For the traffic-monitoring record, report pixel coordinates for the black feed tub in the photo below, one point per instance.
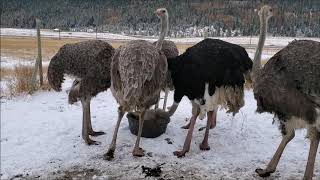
(155, 123)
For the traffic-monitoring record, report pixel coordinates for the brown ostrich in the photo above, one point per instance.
(89, 62)
(170, 50)
(288, 86)
(138, 73)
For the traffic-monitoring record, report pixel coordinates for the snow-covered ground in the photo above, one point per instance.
(41, 137)
(41, 134)
(270, 41)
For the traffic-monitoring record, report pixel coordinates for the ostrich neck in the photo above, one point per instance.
(163, 31)
(262, 38)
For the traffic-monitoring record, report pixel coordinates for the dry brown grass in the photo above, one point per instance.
(22, 75)
(6, 72)
(18, 80)
(25, 48)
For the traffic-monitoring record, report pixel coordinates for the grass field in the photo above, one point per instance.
(25, 48)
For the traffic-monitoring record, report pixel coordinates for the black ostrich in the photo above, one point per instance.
(89, 62)
(211, 73)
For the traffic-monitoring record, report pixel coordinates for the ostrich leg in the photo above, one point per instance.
(89, 126)
(213, 121)
(86, 119)
(137, 151)
(204, 145)
(271, 168)
(314, 143)
(173, 108)
(110, 154)
(156, 106)
(187, 142)
(165, 99)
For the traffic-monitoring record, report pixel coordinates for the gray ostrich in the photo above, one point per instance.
(289, 87)
(89, 62)
(138, 72)
(170, 50)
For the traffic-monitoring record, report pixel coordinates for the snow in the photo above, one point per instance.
(11, 62)
(41, 136)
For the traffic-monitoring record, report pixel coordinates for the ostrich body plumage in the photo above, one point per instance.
(89, 62)
(138, 72)
(211, 63)
(292, 72)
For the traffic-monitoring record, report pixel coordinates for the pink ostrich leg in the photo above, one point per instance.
(211, 119)
(187, 142)
(213, 122)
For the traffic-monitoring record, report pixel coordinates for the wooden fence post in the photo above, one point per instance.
(39, 52)
(38, 64)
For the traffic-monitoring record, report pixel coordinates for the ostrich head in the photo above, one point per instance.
(265, 12)
(162, 14)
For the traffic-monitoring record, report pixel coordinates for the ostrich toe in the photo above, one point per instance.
(96, 133)
(109, 155)
(263, 172)
(91, 142)
(187, 126)
(179, 154)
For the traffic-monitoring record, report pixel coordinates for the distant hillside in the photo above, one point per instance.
(187, 18)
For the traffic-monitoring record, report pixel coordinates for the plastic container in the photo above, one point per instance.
(155, 123)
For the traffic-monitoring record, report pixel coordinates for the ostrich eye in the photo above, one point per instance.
(270, 10)
(163, 11)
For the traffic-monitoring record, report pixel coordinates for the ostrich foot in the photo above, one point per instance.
(186, 126)
(138, 152)
(204, 146)
(263, 172)
(109, 155)
(180, 154)
(202, 128)
(96, 133)
(89, 142)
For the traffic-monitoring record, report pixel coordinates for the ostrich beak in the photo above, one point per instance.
(157, 13)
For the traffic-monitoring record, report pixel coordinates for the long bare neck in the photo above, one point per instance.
(262, 39)
(163, 31)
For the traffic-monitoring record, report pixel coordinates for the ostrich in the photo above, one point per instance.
(289, 87)
(89, 62)
(138, 72)
(170, 50)
(211, 74)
